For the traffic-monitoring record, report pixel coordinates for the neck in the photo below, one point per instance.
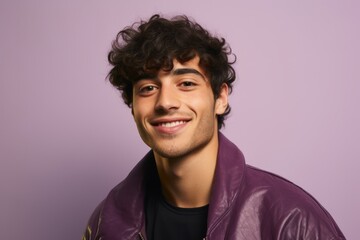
(187, 181)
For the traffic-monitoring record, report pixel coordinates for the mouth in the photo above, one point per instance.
(171, 124)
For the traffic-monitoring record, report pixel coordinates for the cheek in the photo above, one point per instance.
(141, 111)
(200, 100)
(203, 108)
(137, 113)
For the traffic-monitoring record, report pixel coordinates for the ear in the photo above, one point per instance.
(221, 102)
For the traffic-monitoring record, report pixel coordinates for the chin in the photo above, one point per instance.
(173, 153)
(177, 150)
(171, 149)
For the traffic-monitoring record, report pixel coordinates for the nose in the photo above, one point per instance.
(167, 99)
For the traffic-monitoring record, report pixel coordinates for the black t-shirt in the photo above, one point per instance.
(167, 222)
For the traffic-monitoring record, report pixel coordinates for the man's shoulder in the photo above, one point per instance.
(278, 200)
(123, 206)
(277, 189)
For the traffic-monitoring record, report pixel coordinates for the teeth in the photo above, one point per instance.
(171, 124)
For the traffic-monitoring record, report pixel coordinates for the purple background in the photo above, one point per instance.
(66, 138)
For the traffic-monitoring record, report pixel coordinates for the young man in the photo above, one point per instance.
(194, 183)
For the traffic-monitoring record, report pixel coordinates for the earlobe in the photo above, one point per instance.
(222, 100)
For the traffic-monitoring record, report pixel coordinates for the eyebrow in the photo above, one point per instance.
(181, 71)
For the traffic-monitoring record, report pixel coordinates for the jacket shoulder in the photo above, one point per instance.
(289, 209)
(121, 213)
(93, 224)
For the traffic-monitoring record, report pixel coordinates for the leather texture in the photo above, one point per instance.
(246, 203)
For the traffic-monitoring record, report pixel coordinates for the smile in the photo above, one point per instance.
(171, 124)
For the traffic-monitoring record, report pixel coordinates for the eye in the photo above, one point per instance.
(147, 90)
(187, 85)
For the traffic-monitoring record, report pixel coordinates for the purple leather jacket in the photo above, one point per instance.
(246, 203)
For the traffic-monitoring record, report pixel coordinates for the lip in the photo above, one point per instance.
(169, 125)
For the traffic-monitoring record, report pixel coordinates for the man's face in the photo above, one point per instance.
(175, 112)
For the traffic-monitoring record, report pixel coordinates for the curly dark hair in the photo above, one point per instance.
(144, 48)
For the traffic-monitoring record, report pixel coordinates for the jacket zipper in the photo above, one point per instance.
(141, 236)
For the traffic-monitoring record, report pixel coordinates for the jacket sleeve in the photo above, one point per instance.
(299, 224)
(92, 228)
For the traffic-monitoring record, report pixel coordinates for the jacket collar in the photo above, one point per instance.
(123, 214)
(229, 174)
